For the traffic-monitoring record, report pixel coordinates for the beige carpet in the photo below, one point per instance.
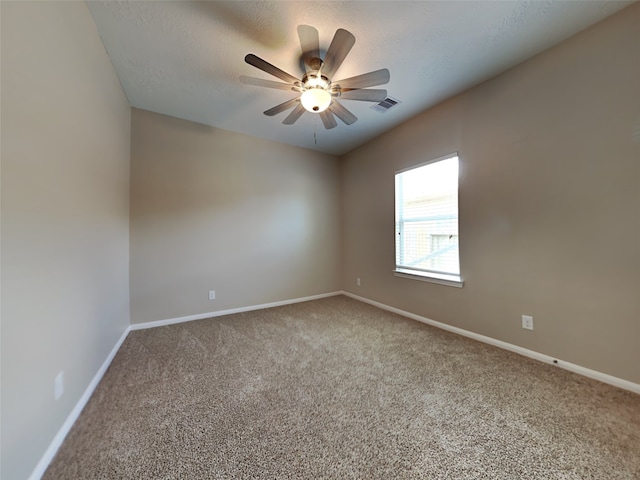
(338, 389)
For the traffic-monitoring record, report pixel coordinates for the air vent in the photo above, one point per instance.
(386, 104)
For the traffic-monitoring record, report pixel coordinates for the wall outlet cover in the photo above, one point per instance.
(58, 386)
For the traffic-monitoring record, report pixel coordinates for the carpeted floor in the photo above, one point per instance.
(338, 389)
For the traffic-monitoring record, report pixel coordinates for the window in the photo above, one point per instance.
(427, 222)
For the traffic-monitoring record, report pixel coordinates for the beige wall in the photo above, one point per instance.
(549, 203)
(65, 207)
(256, 221)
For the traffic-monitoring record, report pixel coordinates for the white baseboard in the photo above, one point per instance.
(586, 372)
(44, 462)
(219, 313)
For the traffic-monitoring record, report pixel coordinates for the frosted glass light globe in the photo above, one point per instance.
(315, 99)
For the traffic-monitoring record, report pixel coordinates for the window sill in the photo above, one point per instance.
(441, 279)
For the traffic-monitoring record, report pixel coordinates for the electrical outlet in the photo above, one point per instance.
(212, 294)
(527, 322)
(358, 282)
(58, 386)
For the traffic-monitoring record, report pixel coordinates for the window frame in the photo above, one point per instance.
(452, 280)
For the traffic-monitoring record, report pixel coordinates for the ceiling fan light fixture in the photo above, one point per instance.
(316, 93)
(315, 99)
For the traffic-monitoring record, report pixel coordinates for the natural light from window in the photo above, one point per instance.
(427, 221)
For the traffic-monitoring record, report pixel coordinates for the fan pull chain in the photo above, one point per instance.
(315, 127)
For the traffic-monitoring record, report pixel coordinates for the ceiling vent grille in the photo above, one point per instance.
(386, 104)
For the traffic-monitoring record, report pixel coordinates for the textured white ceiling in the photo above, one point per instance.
(184, 59)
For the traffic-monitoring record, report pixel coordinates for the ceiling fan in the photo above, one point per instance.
(317, 92)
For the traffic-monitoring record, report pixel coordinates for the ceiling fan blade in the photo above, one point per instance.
(328, 119)
(310, 43)
(265, 66)
(294, 115)
(371, 79)
(366, 95)
(259, 82)
(340, 46)
(342, 113)
(282, 107)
